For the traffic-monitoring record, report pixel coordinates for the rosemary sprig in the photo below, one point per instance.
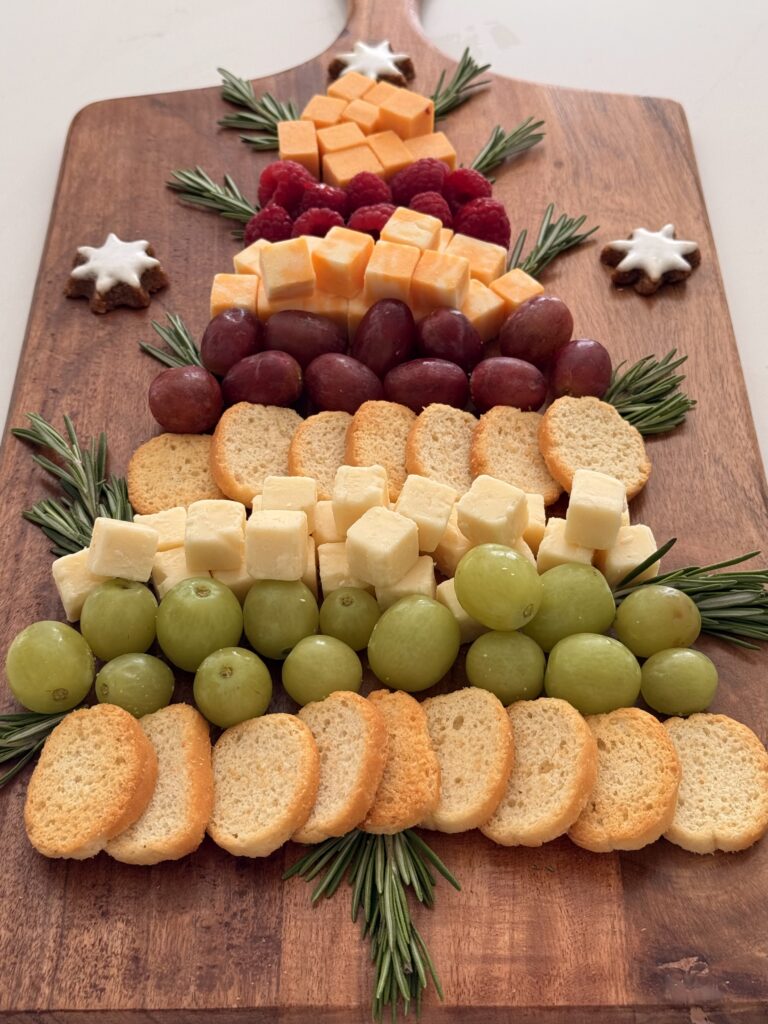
(462, 86)
(82, 475)
(551, 241)
(22, 735)
(258, 114)
(198, 189)
(648, 394)
(503, 145)
(379, 870)
(733, 605)
(184, 351)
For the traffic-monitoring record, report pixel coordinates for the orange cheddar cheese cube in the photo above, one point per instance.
(484, 309)
(339, 136)
(409, 227)
(248, 261)
(350, 86)
(357, 307)
(286, 269)
(389, 271)
(323, 111)
(436, 145)
(440, 280)
(364, 115)
(341, 167)
(340, 261)
(390, 150)
(486, 260)
(234, 291)
(297, 140)
(408, 114)
(380, 91)
(446, 234)
(515, 287)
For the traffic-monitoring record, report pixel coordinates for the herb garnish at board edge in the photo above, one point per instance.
(648, 394)
(461, 87)
(259, 114)
(552, 240)
(198, 189)
(502, 146)
(183, 349)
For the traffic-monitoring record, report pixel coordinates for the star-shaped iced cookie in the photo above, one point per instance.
(374, 60)
(648, 259)
(116, 273)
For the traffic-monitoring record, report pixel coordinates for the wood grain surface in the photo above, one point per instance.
(535, 935)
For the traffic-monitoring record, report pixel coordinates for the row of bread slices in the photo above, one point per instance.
(147, 791)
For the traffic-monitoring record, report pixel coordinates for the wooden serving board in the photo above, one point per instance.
(535, 935)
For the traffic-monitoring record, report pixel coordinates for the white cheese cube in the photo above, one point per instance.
(355, 490)
(537, 520)
(169, 568)
(428, 503)
(522, 549)
(382, 546)
(170, 525)
(325, 531)
(334, 569)
(492, 511)
(554, 549)
(594, 509)
(276, 545)
(74, 582)
(297, 493)
(309, 579)
(469, 628)
(452, 547)
(238, 580)
(256, 503)
(215, 534)
(633, 545)
(122, 550)
(418, 580)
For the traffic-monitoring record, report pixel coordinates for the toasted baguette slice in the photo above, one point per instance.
(505, 445)
(638, 774)
(251, 442)
(552, 777)
(472, 737)
(171, 470)
(317, 449)
(439, 445)
(377, 436)
(723, 799)
(175, 820)
(265, 777)
(585, 433)
(351, 738)
(95, 777)
(410, 786)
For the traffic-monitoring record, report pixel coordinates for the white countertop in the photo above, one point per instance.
(710, 59)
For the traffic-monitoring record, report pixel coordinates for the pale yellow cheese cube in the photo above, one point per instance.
(169, 568)
(633, 545)
(428, 503)
(340, 261)
(170, 525)
(276, 545)
(215, 534)
(452, 547)
(286, 269)
(420, 579)
(492, 511)
(594, 512)
(238, 580)
(389, 271)
(291, 492)
(409, 227)
(234, 291)
(469, 629)
(446, 234)
(554, 549)
(382, 546)
(523, 549)
(309, 579)
(537, 521)
(487, 261)
(334, 569)
(355, 490)
(256, 503)
(248, 261)
(484, 309)
(325, 530)
(122, 550)
(515, 287)
(440, 280)
(74, 582)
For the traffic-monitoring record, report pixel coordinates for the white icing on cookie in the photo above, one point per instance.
(114, 262)
(654, 252)
(372, 60)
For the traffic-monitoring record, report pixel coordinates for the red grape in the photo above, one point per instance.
(185, 400)
(536, 330)
(502, 380)
(448, 334)
(268, 378)
(421, 382)
(385, 337)
(228, 338)
(580, 368)
(303, 335)
(337, 382)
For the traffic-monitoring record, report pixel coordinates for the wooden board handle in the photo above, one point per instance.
(395, 20)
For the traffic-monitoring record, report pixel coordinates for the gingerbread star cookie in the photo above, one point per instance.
(116, 273)
(374, 60)
(648, 259)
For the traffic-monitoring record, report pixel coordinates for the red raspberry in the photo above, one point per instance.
(463, 185)
(485, 219)
(433, 204)
(277, 171)
(367, 189)
(425, 175)
(326, 197)
(317, 221)
(371, 219)
(273, 223)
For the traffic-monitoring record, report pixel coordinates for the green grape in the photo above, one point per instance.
(508, 664)
(196, 618)
(593, 673)
(498, 587)
(655, 618)
(118, 617)
(319, 665)
(277, 615)
(575, 599)
(232, 685)
(50, 667)
(679, 681)
(349, 614)
(137, 683)
(414, 643)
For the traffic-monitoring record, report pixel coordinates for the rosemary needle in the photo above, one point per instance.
(183, 350)
(503, 145)
(648, 394)
(259, 114)
(198, 189)
(22, 735)
(551, 241)
(461, 87)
